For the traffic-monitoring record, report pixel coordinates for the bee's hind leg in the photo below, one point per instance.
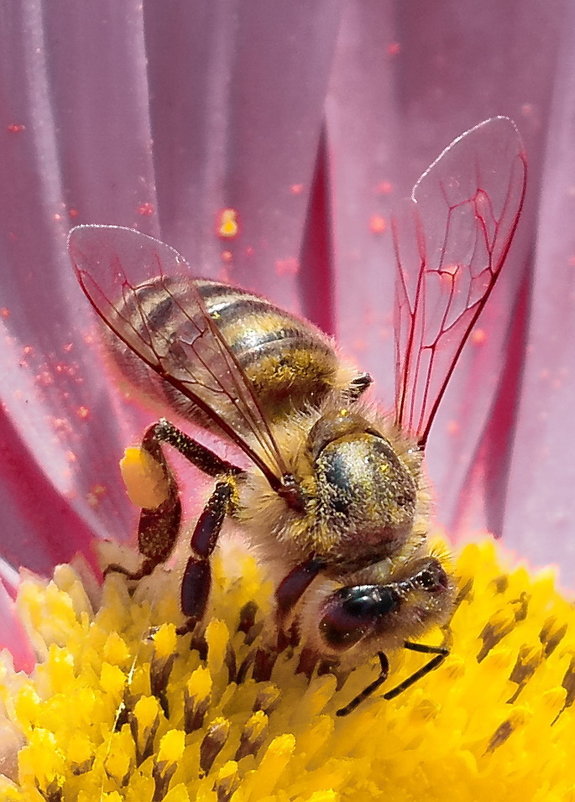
(158, 527)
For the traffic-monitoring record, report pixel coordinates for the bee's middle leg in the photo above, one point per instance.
(197, 579)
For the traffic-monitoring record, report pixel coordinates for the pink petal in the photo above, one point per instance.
(89, 92)
(12, 634)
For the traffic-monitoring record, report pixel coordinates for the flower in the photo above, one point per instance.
(300, 124)
(120, 707)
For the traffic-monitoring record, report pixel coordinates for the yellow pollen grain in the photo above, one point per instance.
(120, 758)
(42, 760)
(217, 637)
(26, 706)
(144, 478)
(116, 651)
(112, 679)
(228, 225)
(80, 749)
(165, 640)
(256, 724)
(180, 794)
(315, 738)
(67, 580)
(229, 769)
(273, 763)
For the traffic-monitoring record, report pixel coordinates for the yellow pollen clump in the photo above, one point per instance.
(144, 478)
(121, 707)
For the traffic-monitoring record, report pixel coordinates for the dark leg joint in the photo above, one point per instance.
(209, 463)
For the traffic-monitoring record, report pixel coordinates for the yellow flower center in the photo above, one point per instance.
(120, 707)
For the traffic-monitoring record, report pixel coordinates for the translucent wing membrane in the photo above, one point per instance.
(134, 282)
(450, 244)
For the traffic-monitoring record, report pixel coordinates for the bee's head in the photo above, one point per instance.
(375, 617)
(364, 489)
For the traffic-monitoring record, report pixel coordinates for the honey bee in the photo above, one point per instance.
(334, 500)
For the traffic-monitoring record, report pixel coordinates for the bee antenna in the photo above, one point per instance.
(373, 686)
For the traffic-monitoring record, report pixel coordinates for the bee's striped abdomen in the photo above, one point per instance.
(290, 363)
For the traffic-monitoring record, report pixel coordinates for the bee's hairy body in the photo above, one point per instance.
(333, 499)
(350, 519)
(364, 510)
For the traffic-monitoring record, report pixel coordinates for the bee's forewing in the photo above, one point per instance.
(451, 241)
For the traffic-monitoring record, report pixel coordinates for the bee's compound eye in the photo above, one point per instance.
(359, 607)
(351, 612)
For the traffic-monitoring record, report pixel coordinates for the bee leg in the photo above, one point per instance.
(289, 592)
(209, 463)
(158, 527)
(358, 386)
(197, 579)
(157, 531)
(373, 686)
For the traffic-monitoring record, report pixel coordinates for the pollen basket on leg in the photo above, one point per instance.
(145, 480)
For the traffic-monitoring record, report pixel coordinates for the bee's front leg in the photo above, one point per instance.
(158, 527)
(287, 595)
(289, 592)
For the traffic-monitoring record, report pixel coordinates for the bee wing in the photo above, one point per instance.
(450, 244)
(116, 268)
